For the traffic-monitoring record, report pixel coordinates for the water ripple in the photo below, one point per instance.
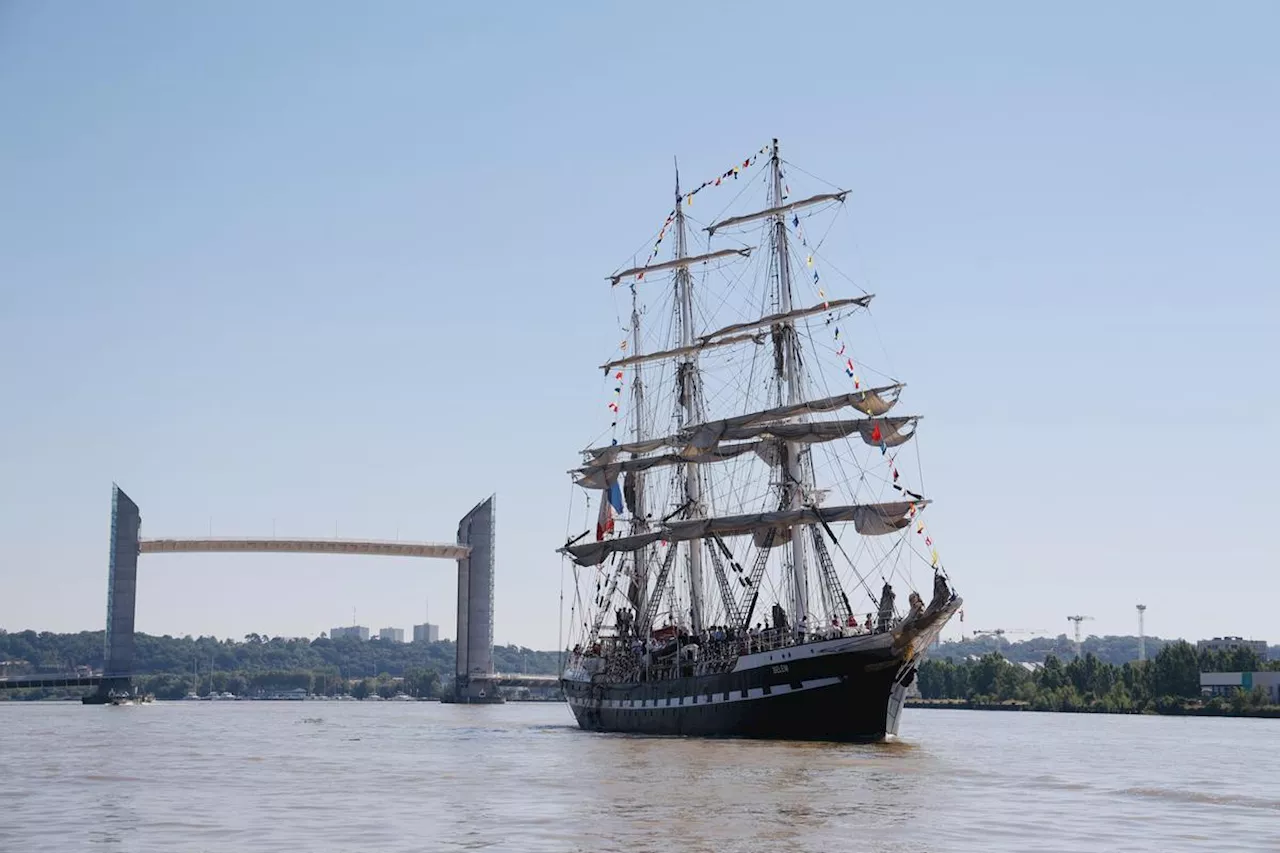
(420, 776)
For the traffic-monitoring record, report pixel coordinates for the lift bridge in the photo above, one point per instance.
(474, 551)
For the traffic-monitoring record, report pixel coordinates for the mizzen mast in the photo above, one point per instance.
(690, 390)
(795, 484)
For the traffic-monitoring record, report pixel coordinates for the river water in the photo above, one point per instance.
(339, 776)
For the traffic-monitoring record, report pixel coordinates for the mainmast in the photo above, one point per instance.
(687, 379)
(795, 485)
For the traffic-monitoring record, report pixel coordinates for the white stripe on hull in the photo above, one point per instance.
(676, 702)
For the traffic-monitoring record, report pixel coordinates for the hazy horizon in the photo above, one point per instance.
(967, 638)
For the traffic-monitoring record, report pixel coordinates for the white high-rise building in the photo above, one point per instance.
(395, 635)
(360, 632)
(426, 632)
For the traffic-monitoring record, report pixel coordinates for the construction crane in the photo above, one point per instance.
(1000, 632)
(1078, 620)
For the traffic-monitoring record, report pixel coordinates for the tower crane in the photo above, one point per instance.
(1078, 620)
(1000, 632)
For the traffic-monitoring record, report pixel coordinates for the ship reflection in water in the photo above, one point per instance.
(413, 776)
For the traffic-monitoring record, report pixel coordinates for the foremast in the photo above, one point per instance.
(789, 370)
(633, 486)
(687, 412)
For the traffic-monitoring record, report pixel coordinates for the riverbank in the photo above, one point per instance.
(1185, 709)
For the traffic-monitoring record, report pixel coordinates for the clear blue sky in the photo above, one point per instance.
(312, 266)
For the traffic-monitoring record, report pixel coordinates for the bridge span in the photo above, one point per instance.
(21, 682)
(357, 547)
(521, 679)
(473, 551)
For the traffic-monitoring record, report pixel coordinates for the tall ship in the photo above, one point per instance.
(751, 482)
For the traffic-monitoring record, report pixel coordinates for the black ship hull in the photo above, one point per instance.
(842, 689)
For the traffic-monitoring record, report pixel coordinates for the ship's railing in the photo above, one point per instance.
(621, 661)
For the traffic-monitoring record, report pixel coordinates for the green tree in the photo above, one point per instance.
(960, 683)
(984, 673)
(1117, 699)
(1010, 679)
(934, 677)
(1136, 678)
(1176, 671)
(1051, 675)
(425, 683)
(1230, 660)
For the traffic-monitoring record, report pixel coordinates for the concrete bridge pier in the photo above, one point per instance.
(473, 676)
(122, 596)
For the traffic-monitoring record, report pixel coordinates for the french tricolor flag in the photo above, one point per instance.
(611, 505)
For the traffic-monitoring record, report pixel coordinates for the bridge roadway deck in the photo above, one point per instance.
(517, 679)
(22, 682)
(366, 547)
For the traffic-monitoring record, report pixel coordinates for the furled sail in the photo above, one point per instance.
(873, 402)
(603, 476)
(734, 334)
(794, 314)
(874, 431)
(678, 351)
(889, 432)
(868, 520)
(682, 262)
(774, 211)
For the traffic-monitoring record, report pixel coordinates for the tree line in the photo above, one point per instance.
(168, 666)
(1164, 684)
(1112, 649)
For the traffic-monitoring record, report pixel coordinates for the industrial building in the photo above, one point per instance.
(1219, 644)
(426, 632)
(395, 635)
(360, 632)
(1227, 683)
